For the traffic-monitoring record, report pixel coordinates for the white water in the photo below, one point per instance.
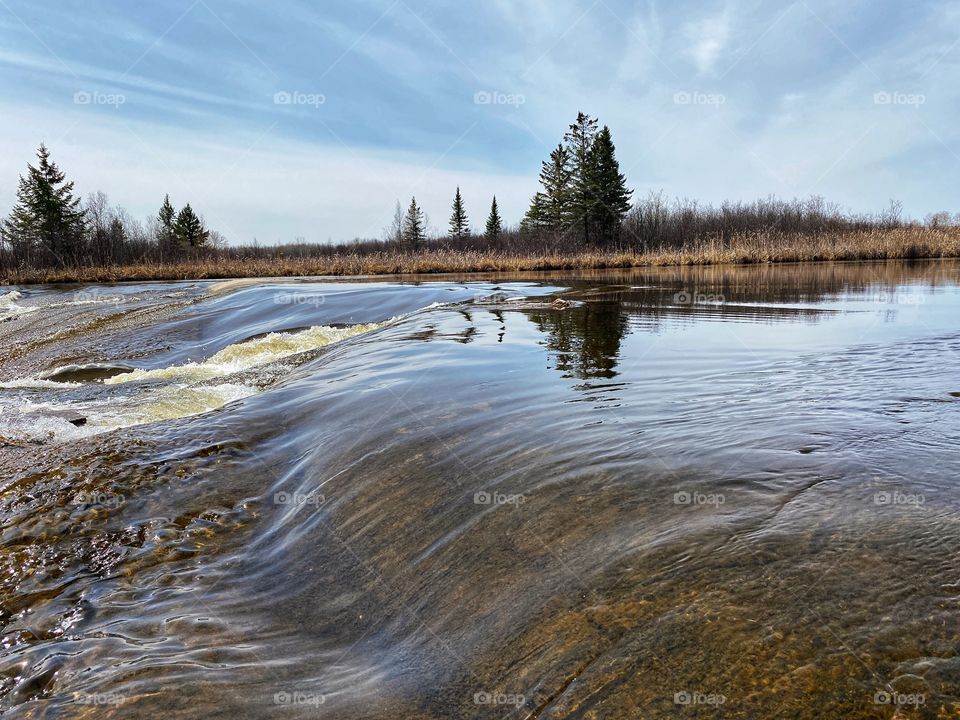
(245, 355)
(188, 392)
(10, 309)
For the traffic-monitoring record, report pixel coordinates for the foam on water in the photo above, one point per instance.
(9, 307)
(248, 354)
(36, 383)
(172, 403)
(189, 392)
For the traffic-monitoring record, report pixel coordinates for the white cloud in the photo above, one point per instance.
(250, 185)
(708, 38)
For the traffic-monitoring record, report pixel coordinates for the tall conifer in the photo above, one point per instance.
(413, 225)
(613, 197)
(47, 216)
(494, 225)
(459, 224)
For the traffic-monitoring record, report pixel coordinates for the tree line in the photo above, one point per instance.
(49, 226)
(584, 197)
(409, 229)
(583, 202)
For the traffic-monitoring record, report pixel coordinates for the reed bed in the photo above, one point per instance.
(750, 248)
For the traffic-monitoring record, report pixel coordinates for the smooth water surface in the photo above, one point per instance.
(704, 492)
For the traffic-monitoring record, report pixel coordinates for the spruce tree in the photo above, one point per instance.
(579, 142)
(494, 225)
(166, 220)
(189, 230)
(47, 217)
(613, 197)
(459, 224)
(413, 225)
(536, 218)
(117, 234)
(556, 179)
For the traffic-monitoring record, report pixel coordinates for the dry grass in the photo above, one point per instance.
(904, 243)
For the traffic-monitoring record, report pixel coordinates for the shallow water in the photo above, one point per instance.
(716, 492)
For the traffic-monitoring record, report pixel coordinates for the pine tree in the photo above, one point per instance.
(555, 177)
(118, 238)
(413, 225)
(613, 197)
(459, 224)
(536, 218)
(579, 142)
(494, 224)
(189, 229)
(47, 217)
(166, 230)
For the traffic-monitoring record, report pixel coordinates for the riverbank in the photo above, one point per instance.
(905, 243)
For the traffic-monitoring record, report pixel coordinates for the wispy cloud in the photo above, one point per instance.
(399, 82)
(708, 39)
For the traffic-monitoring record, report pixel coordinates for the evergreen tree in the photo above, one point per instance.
(189, 229)
(494, 224)
(459, 224)
(536, 218)
(118, 238)
(166, 220)
(413, 225)
(579, 142)
(47, 217)
(555, 177)
(613, 197)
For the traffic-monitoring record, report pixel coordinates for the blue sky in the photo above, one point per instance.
(306, 119)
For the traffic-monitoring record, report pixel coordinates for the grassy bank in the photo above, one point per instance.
(905, 243)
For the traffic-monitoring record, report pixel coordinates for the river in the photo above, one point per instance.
(703, 492)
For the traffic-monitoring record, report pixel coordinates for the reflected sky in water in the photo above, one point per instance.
(598, 495)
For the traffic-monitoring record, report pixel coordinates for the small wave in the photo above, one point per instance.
(35, 384)
(41, 422)
(248, 354)
(9, 308)
(190, 393)
(175, 403)
(72, 374)
(102, 300)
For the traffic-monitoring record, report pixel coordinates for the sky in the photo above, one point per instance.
(309, 120)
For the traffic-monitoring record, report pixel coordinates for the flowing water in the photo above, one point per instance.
(713, 492)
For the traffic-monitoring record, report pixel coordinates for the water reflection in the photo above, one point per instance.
(609, 507)
(585, 339)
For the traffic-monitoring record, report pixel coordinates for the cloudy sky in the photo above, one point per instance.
(311, 119)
